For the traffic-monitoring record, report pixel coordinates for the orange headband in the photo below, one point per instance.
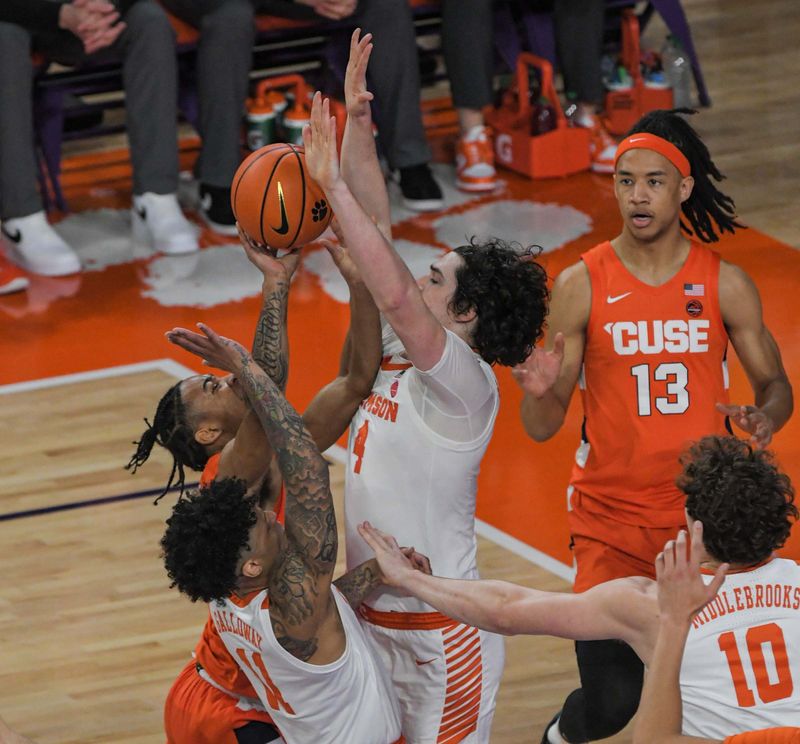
(657, 144)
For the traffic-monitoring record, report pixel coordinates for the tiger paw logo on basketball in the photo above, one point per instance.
(274, 199)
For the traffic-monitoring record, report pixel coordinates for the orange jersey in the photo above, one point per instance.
(210, 651)
(653, 370)
(767, 736)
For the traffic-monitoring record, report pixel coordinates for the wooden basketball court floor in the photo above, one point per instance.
(90, 636)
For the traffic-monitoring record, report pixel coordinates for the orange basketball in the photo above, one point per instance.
(275, 201)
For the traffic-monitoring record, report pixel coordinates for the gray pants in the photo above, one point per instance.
(579, 39)
(224, 59)
(147, 51)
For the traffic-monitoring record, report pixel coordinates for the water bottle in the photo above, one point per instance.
(260, 123)
(678, 72)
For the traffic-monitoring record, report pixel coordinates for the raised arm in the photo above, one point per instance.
(361, 170)
(548, 377)
(330, 412)
(759, 354)
(681, 595)
(624, 609)
(384, 273)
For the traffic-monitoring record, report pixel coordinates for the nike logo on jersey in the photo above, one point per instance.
(423, 663)
(611, 300)
(16, 237)
(284, 228)
(142, 212)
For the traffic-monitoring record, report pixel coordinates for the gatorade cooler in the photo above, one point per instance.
(561, 151)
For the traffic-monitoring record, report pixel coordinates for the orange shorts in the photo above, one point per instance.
(787, 735)
(606, 549)
(195, 712)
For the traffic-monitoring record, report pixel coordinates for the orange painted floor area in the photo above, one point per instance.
(100, 319)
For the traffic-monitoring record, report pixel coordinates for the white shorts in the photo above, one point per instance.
(446, 674)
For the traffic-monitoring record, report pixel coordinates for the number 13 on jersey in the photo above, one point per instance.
(676, 377)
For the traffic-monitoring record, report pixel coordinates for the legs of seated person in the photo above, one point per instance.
(224, 59)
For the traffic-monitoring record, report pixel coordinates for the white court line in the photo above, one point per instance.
(335, 452)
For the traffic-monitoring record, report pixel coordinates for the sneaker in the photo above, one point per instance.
(602, 148)
(32, 243)
(215, 209)
(158, 222)
(420, 190)
(475, 161)
(553, 721)
(11, 278)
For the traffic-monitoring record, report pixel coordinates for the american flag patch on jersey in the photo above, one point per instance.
(694, 290)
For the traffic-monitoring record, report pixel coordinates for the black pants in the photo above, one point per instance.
(611, 685)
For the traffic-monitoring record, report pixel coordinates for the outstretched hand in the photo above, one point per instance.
(319, 140)
(341, 257)
(682, 593)
(395, 564)
(215, 350)
(752, 420)
(539, 372)
(266, 260)
(356, 95)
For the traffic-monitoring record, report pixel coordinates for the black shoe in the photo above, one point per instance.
(215, 209)
(420, 191)
(547, 728)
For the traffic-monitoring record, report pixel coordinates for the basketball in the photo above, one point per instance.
(275, 201)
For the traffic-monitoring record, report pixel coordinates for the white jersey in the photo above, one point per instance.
(741, 667)
(348, 700)
(411, 481)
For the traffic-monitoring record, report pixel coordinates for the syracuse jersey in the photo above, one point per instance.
(653, 371)
(741, 666)
(348, 700)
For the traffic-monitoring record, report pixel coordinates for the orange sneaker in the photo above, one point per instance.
(602, 148)
(475, 161)
(11, 278)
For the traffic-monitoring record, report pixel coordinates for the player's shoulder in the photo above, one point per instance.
(573, 277)
(733, 277)
(571, 299)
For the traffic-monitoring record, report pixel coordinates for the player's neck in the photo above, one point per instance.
(654, 261)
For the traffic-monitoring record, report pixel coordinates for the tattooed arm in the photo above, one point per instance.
(358, 583)
(248, 454)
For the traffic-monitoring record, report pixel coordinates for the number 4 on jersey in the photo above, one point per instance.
(359, 446)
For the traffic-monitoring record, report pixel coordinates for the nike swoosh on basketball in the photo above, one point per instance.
(611, 300)
(284, 228)
(16, 237)
(423, 663)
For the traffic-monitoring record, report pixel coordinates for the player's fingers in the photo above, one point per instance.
(669, 556)
(680, 549)
(660, 565)
(307, 143)
(697, 543)
(728, 410)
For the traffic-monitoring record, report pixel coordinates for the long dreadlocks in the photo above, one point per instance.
(170, 429)
(706, 201)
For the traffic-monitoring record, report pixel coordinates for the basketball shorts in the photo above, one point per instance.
(195, 712)
(446, 674)
(606, 549)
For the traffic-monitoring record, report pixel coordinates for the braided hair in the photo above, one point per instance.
(170, 429)
(706, 202)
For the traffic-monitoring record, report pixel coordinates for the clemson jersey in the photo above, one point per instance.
(654, 368)
(404, 477)
(741, 666)
(210, 651)
(349, 700)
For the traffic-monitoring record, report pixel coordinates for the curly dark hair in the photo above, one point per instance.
(507, 289)
(171, 430)
(205, 536)
(745, 503)
(706, 202)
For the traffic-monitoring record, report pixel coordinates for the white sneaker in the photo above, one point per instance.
(158, 222)
(32, 243)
